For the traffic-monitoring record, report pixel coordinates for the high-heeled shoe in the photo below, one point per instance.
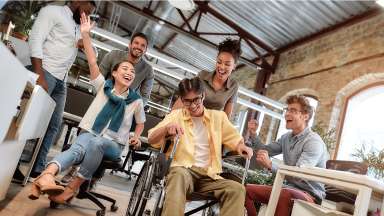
(37, 188)
(58, 200)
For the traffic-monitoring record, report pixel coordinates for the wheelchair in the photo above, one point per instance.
(151, 182)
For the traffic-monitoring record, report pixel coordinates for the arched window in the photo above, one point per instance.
(282, 129)
(363, 123)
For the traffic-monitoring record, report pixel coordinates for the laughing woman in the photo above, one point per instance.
(220, 87)
(106, 126)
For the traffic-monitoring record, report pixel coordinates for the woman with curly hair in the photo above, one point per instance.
(220, 88)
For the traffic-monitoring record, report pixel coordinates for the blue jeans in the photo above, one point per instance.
(88, 151)
(57, 89)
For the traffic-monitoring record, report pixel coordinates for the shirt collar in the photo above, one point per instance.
(187, 116)
(124, 95)
(209, 78)
(302, 133)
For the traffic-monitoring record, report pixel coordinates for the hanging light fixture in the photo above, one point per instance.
(182, 4)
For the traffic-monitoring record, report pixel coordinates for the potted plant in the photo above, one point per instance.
(328, 136)
(373, 157)
(23, 14)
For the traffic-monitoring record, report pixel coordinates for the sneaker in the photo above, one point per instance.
(69, 176)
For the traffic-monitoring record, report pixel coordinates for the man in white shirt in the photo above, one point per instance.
(53, 42)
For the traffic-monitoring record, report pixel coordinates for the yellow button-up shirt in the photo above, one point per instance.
(220, 132)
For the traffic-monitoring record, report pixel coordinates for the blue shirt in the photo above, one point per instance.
(304, 149)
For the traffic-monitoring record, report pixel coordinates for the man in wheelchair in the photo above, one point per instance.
(197, 162)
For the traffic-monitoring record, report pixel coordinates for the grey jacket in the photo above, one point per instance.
(304, 149)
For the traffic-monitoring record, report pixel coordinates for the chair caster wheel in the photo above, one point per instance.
(100, 212)
(53, 204)
(114, 208)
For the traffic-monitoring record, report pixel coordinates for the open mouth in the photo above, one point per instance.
(221, 73)
(138, 51)
(288, 121)
(127, 77)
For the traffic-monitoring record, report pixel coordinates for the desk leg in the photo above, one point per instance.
(275, 194)
(362, 201)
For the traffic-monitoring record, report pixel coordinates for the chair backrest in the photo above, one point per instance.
(349, 166)
(338, 195)
(150, 122)
(77, 102)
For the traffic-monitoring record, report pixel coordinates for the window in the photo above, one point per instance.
(282, 130)
(363, 123)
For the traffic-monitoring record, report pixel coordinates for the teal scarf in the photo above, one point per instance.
(113, 110)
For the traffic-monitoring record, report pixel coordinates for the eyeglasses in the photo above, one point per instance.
(196, 101)
(292, 111)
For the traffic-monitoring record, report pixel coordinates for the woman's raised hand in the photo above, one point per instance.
(85, 24)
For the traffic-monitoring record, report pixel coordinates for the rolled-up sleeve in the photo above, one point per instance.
(40, 30)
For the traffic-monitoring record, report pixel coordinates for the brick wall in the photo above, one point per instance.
(332, 67)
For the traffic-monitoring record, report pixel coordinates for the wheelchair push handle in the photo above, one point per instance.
(177, 139)
(247, 162)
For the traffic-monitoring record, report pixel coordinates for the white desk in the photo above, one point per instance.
(362, 185)
(17, 127)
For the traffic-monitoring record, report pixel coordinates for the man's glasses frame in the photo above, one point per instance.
(188, 102)
(292, 111)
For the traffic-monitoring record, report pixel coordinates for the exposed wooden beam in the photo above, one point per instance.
(173, 36)
(167, 24)
(217, 33)
(198, 20)
(186, 21)
(264, 62)
(242, 32)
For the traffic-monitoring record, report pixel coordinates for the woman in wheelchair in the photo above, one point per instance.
(106, 126)
(197, 162)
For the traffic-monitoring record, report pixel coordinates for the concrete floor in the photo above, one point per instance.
(116, 186)
(18, 204)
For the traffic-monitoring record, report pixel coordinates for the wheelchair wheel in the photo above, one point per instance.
(137, 192)
(148, 185)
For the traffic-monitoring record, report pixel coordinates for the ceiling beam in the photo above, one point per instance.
(185, 19)
(149, 15)
(218, 33)
(242, 32)
(173, 36)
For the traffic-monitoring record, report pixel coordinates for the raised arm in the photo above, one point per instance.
(85, 29)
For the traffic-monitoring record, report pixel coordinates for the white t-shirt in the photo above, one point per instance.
(201, 143)
(134, 109)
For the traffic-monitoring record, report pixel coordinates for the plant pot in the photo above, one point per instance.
(20, 36)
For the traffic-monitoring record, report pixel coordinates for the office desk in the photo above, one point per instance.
(362, 185)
